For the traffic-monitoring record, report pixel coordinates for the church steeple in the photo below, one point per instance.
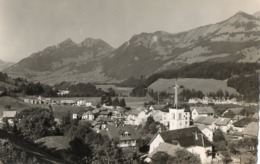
(175, 87)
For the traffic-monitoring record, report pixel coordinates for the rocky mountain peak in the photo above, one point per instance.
(67, 42)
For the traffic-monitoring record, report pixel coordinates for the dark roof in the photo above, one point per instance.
(238, 117)
(235, 111)
(244, 121)
(204, 110)
(186, 137)
(116, 132)
(222, 121)
(105, 113)
(204, 120)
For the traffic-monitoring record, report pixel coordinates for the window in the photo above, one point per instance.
(180, 116)
(173, 116)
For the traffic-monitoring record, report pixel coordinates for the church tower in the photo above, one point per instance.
(178, 117)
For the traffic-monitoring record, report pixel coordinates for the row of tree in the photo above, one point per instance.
(241, 76)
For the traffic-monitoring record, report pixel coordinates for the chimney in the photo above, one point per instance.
(202, 138)
(196, 136)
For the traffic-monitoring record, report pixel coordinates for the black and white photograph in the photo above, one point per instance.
(129, 81)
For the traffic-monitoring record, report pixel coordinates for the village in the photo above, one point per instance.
(189, 127)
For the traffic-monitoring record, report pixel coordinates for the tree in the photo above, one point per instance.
(35, 123)
(122, 102)
(82, 152)
(115, 102)
(181, 156)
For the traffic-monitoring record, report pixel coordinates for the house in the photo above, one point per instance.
(202, 111)
(105, 114)
(190, 138)
(206, 121)
(143, 115)
(251, 130)
(80, 102)
(74, 116)
(63, 92)
(223, 124)
(67, 102)
(232, 111)
(206, 131)
(126, 135)
(9, 116)
(88, 116)
(239, 125)
(132, 117)
(158, 115)
(237, 117)
(170, 149)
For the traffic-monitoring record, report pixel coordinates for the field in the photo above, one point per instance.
(121, 91)
(204, 85)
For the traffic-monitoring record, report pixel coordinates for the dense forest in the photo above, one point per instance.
(241, 76)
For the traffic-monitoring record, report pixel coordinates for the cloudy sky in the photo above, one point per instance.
(28, 26)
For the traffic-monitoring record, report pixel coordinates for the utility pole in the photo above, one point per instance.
(158, 95)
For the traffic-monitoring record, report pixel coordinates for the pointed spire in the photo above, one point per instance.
(176, 94)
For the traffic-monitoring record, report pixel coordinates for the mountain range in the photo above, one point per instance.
(236, 39)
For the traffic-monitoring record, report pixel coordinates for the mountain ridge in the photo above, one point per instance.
(235, 39)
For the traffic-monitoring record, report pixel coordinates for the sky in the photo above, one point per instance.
(28, 26)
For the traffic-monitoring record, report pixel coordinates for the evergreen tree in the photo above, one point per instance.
(122, 102)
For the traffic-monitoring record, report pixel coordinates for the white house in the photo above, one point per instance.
(74, 116)
(206, 131)
(80, 102)
(240, 125)
(9, 116)
(88, 116)
(205, 121)
(202, 111)
(191, 138)
(223, 124)
(132, 118)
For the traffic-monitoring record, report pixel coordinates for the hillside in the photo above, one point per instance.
(4, 65)
(204, 85)
(66, 61)
(236, 39)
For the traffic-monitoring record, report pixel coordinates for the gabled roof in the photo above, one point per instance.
(167, 148)
(135, 112)
(202, 127)
(88, 113)
(9, 114)
(251, 129)
(116, 132)
(157, 107)
(236, 111)
(238, 117)
(105, 113)
(204, 110)
(243, 122)
(204, 120)
(186, 137)
(256, 115)
(222, 121)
